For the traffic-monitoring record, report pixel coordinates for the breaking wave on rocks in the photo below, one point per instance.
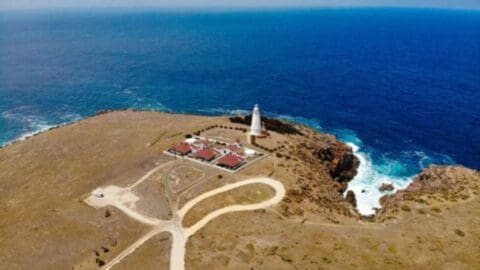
(371, 174)
(31, 123)
(376, 168)
(370, 177)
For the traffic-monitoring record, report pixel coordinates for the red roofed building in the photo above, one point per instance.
(230, 161)
(206, 154)
(182, 149)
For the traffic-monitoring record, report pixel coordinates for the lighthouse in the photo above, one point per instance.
(256, 125)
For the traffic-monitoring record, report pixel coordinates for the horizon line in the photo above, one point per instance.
(233, 8)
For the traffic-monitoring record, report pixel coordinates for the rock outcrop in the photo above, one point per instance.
(351, 198)
(322, 167)
(450, 183)
(386, 187)
(341, 162)
(339, 158)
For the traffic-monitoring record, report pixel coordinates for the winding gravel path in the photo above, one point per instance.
(124, 199)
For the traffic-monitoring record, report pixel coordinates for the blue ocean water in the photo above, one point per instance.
(401, 85)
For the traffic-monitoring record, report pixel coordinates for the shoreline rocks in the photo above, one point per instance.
(386, 187)
(451, 183)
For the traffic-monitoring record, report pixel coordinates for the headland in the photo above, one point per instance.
(47, 183)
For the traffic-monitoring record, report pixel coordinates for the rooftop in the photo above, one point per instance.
(206, 154)
(182, 148)
(231, 161)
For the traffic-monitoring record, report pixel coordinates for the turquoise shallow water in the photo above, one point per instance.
(401, 85)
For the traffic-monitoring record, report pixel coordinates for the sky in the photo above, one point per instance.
(52, 4)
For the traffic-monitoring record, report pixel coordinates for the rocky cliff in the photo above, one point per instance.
(340, 160)
(336, 156)
(322, 166)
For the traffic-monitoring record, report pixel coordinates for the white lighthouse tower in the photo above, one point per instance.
(256, 125)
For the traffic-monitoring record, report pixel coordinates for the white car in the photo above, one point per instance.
(98, 193)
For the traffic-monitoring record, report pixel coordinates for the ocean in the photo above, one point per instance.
(402, 86)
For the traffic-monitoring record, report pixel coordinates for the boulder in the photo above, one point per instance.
(386, 187)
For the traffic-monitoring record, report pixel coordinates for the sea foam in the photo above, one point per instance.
(369, 178)
(371, 174)
(34, 124)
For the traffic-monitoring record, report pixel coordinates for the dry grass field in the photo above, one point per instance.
(44, 223)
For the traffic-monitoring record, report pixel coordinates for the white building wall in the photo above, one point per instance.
(256, 125)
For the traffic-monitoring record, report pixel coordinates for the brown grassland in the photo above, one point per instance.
(44, 223)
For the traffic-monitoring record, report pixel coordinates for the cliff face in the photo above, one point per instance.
(336, 156)
(327, 167)
(327, 152)
(341, 162)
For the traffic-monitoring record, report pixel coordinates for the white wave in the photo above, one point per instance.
(224, 111)
(367, 181)
(370, 176)
(71, 117)
(33, 124)
(25, 116)
(151, 106)
(128, 91)
(141, 102)
(40, 128)
(425, 160)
